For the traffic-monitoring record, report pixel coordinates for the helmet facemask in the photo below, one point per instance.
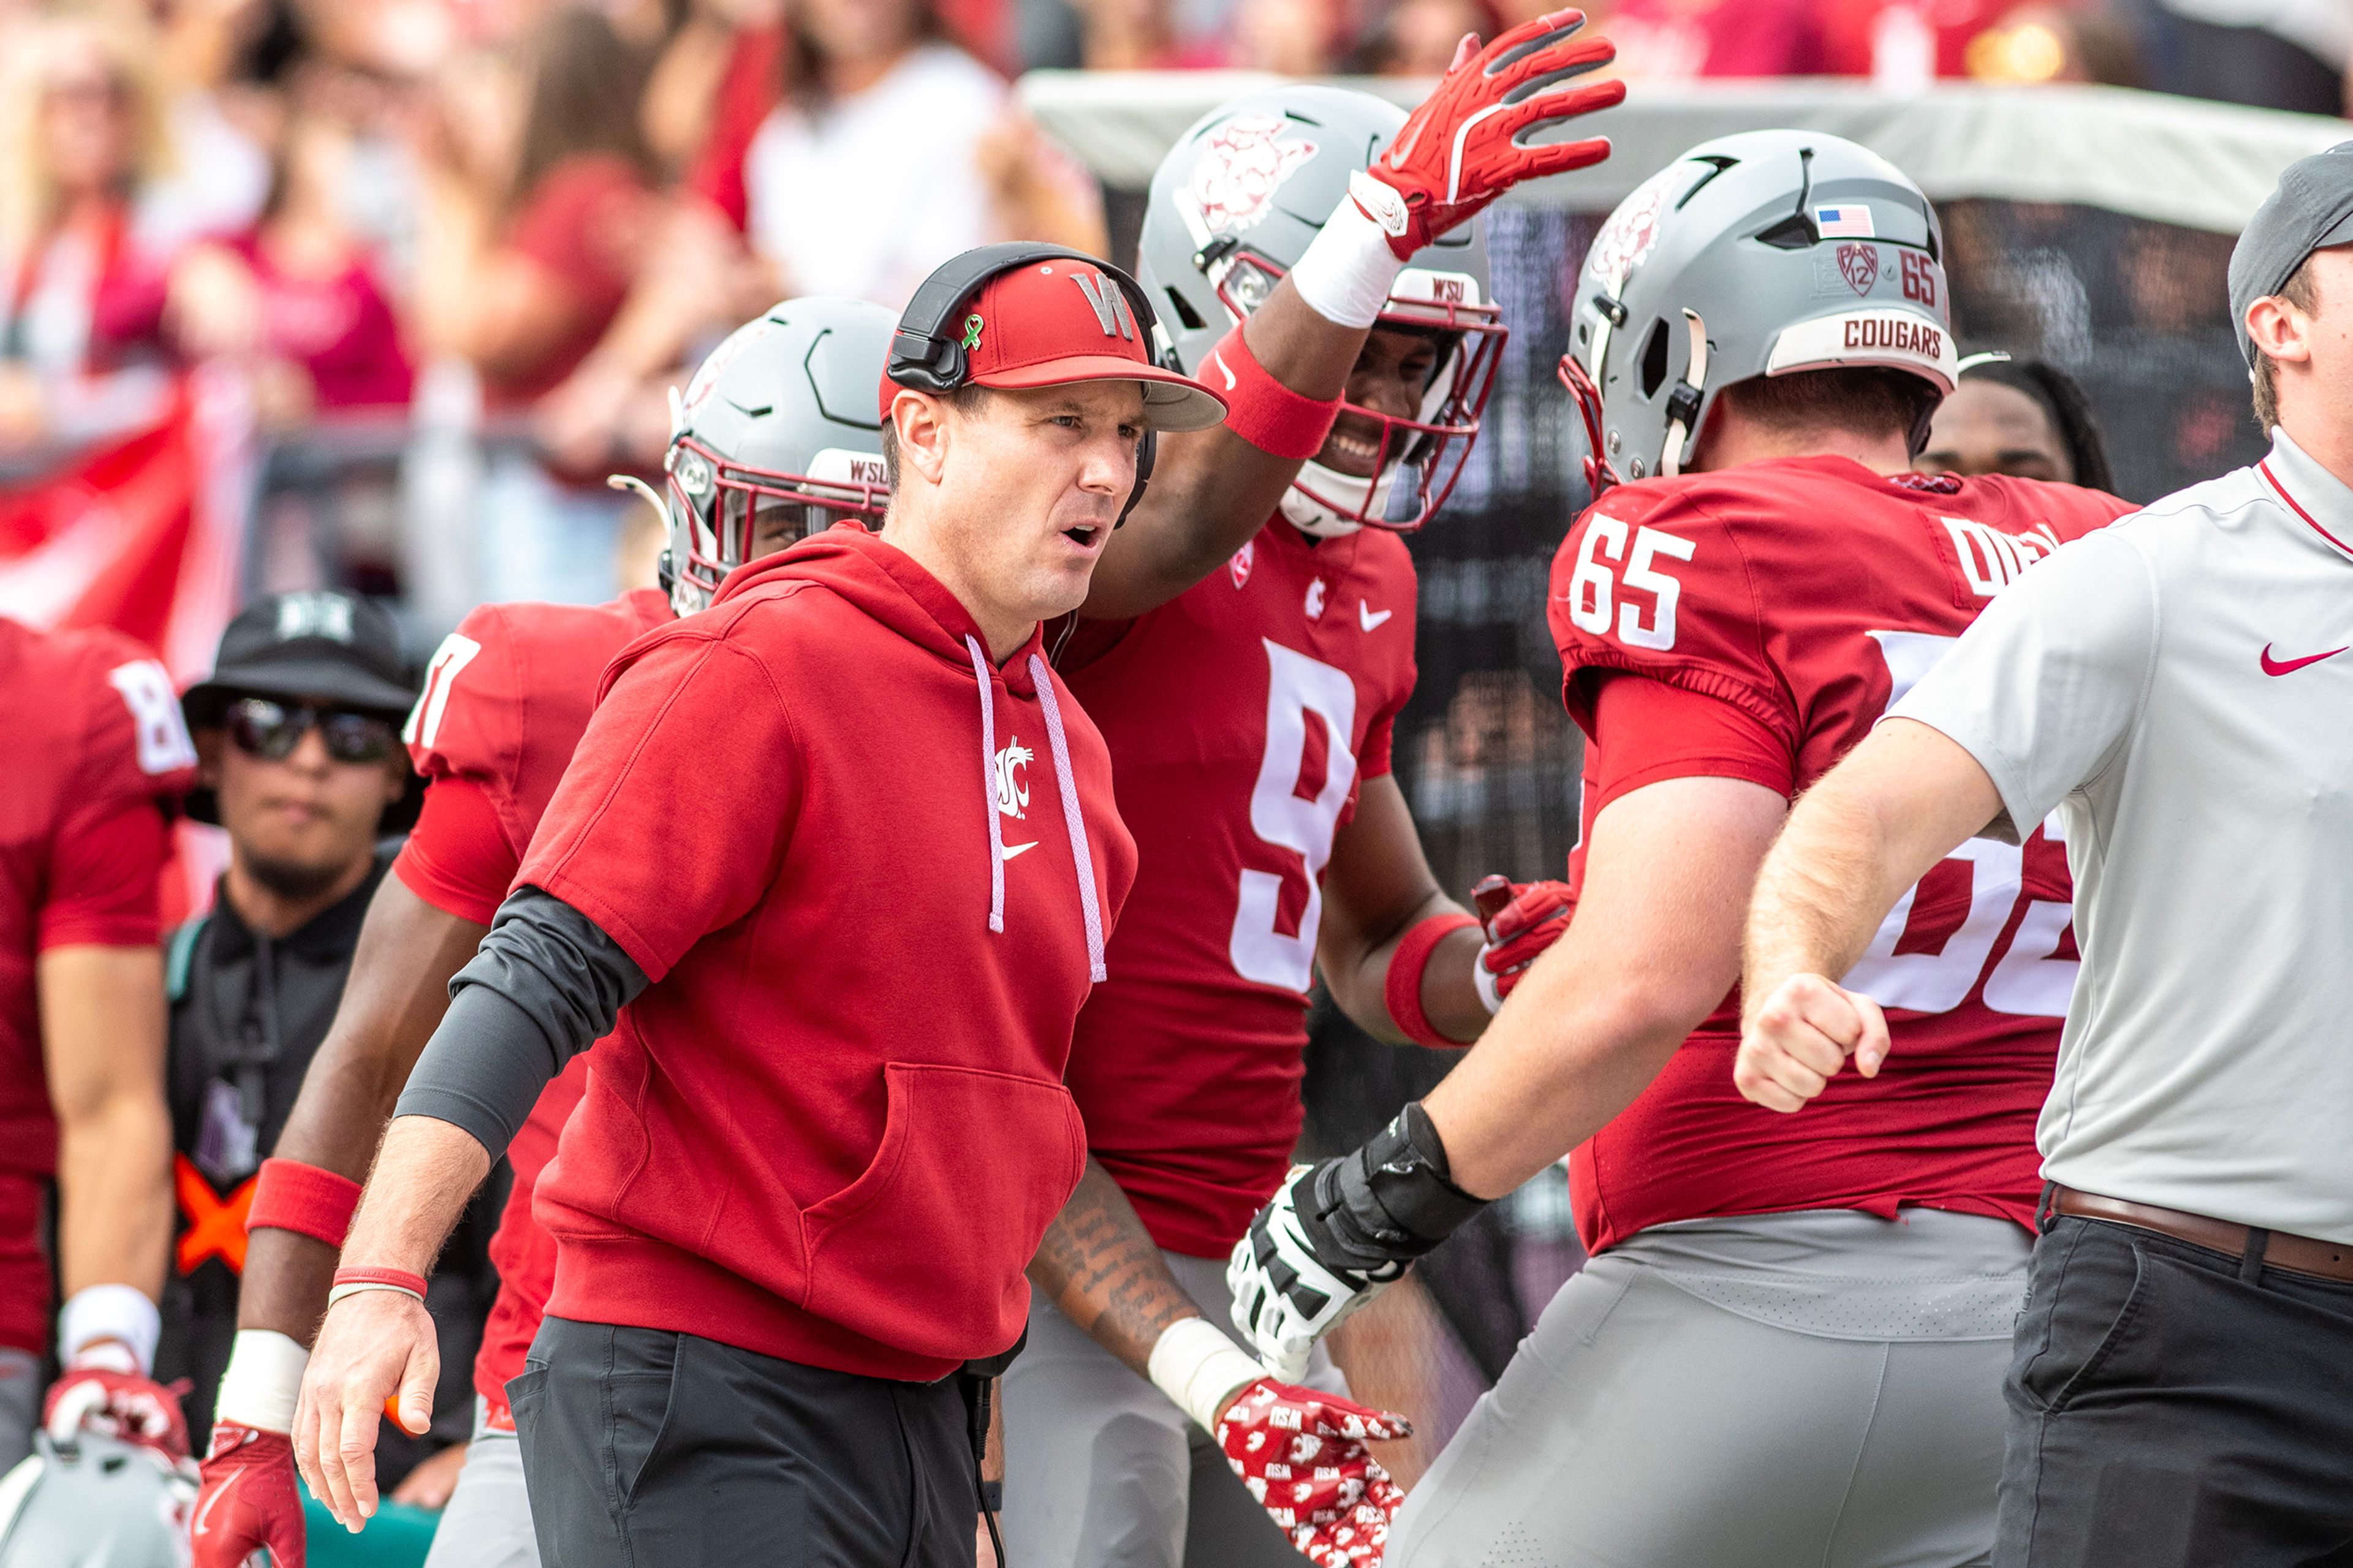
(717, 510)
(1426, 452)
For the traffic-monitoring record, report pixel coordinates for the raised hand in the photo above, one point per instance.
(1473, 138)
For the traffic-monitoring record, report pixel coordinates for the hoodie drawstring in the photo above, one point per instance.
(1080, 856)
(989, 785)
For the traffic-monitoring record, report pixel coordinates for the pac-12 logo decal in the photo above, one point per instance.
(1243, 162)
(1859, 264)
(1243, 559)
(1013, 778)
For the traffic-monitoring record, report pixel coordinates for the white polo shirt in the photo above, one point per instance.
(2178, 687)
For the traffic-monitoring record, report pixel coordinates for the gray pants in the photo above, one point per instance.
(488, 1521)
(1644, 1424)
(1102, 1471)
(20, 1406)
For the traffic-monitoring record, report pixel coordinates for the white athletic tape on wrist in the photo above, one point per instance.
(263, 1378)
(341, 1291)
(1197, 1366)
(120, 1312)
(1348, 271)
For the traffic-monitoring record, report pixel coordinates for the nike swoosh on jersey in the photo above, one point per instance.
(1013, 849)
(2290, 666)
(1370, 618)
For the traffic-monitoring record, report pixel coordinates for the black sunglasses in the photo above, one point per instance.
(271, 731)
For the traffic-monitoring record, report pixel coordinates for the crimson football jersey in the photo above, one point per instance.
(95, 740)
(506, 698)
(1810, 594)
(1242, 717)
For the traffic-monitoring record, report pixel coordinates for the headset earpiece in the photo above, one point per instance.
(927, 354)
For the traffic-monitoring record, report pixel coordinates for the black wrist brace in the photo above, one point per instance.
(1389, 1202)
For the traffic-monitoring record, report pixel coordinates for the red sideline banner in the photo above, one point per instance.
(144, 532)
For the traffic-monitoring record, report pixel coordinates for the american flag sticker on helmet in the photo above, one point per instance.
(1848, 221)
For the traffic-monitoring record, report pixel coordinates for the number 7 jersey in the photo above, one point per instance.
(1808, 594)
(1243, 717)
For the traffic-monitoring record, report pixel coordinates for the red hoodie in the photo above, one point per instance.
(869, 876)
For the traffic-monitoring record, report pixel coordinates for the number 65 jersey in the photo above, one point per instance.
(1243, 717)
(1755, 623)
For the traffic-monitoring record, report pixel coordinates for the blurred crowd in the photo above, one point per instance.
(560, 204)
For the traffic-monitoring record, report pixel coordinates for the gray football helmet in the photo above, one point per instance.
(95, 1502)
(1758, 254)
(1233, 207)
(786, 412)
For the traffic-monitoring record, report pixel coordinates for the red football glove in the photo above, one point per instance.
(1303, 1456)
(248, 1499)
(124, 1405)
(1521, 920)
(1467, 141)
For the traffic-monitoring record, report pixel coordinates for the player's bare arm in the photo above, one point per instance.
(1211, 490)
(1101, 1269)
(1377, 888)
(424, 1175)
(1472, 140)
(102, 1014)
(398, 990)
(1898, 804)
(1654, 948)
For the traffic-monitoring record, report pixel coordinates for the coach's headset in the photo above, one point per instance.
(927, 351)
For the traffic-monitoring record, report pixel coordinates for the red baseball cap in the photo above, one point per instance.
(1048, 323)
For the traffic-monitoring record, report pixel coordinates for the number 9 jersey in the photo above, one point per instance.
(1754, 624)
(1242, 716)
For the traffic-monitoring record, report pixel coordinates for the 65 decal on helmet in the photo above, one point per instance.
(779, 432)
(1761, 254)
(1232, 209)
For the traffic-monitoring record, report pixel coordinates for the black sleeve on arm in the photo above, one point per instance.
(546, 985)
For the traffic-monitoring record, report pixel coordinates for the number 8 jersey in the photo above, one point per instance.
(1242, 717)
(1754, 624)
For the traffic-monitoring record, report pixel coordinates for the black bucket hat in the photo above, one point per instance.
(325, 649)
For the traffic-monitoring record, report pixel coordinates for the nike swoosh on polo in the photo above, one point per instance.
(1368, 618)
(2290, 666)
(1013, 849)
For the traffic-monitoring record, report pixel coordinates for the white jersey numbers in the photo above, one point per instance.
(456, 652)
(1286, 819)
(163, 743)
(2026, 979)
(1592, 593)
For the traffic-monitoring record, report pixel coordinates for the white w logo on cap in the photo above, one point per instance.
(1110, 302)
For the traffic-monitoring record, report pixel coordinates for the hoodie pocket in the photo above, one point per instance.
(924, 1251)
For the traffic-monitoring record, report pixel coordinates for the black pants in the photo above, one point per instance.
(646, 1450)
(2170, 1405)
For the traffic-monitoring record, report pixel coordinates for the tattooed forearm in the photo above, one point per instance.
(1099, 1266)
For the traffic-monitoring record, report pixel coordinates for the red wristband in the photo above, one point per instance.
(396, 1278)
(1404, 984)
(1262, 410)
(304, 1199)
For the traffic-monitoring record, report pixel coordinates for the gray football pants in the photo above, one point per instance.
(20, 1405)
(488, 1521)
(1102, 1471)
(1640, 1426)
